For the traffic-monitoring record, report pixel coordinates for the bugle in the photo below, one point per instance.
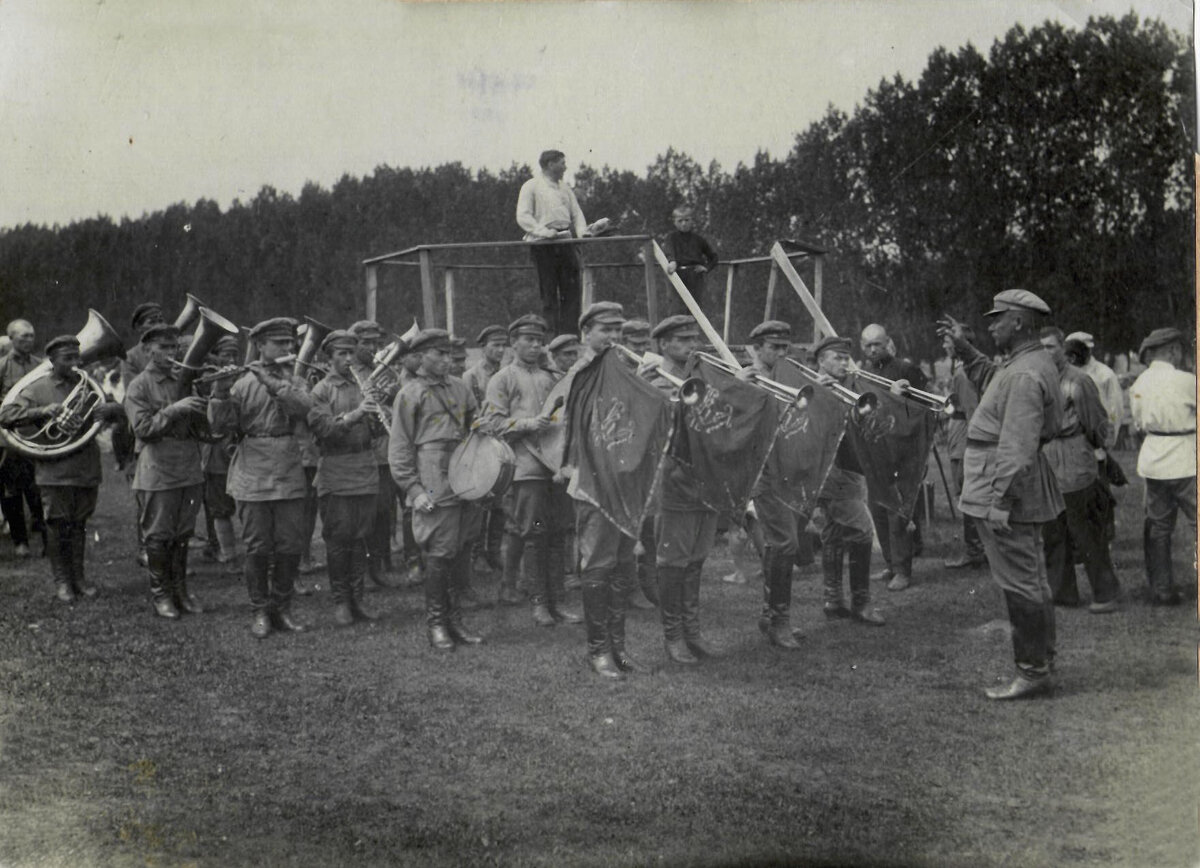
(798, 395)
(931, 400)
(691, 390)
(862, 403)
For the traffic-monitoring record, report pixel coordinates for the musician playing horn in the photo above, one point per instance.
(169, 480)
(843, 499)
(431, 416)
(685, 528)
(69, 484)
(898, 537)
(266, 408)
(515, 399)
(347, 475)
(218, 505)
(145, 317)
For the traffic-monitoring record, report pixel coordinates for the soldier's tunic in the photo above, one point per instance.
(18, 487)
(430, 418)
(379, 536)
(477, 378)
(266, 476)
(169, 473)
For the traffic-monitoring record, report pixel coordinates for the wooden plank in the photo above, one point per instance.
(651, 283)
(818, 271)
(372, 291)
(769, 307)
(793, 277)
(589, 287)
(728, 303)
(448, 290)
(479, 245)
(428, 298)
(690, 302)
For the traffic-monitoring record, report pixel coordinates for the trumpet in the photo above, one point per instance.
(691, 390)
(862, 404)
(371, 390)
(788, 394)
(943, 404)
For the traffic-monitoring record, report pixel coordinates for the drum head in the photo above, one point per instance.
(481, 465)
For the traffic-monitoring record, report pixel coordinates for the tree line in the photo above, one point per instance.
(1060, 161)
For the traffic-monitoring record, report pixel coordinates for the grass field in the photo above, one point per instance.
(128, 740)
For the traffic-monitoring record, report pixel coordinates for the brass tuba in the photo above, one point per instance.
(314, 336)
(74, 425)
(211, 329)
(190, 315)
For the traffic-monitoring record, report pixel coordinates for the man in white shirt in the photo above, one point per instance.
(1162, 401)
(547, 209)
(1106, 381)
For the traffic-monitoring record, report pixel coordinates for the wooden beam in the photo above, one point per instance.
(372, 291)
(589, 287)
(769, 307)
(818, 270)
(427, 292)
(793, 277)
(448, 289)
(651, 283)
(705, 326)
(728, 303)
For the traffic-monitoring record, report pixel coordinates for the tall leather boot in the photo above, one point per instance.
(256, 568)
(437, 604)
(78, 532)
(618, 602)
(556, 592)
(226, 543)
(670, 604)
(860, 585)
(158, 564)
(58, 549)
(780, 632)
(460, 581)
(1159, 572)
(511, 549)
(647, 563)
(693, 637)
(596, 593)
(356, 581)
(337, 563)
(283, 584)
(769, 557)
(184, 600)
(1030, 641)
(536, 580)
(831, 573)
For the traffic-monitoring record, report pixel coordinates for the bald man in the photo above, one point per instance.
(17, 486)
(898, 537)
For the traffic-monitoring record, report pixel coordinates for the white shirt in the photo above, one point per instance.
(1110, 396)
(545, 207)
(1162, 401)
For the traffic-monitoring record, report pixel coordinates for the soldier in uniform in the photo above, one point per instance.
(218, 505)
(18, 487)
(347, 475)
(635, 336)
(431, 416)
(684, 528)
(966, 399)
(843, 498)
(169, 479)
(379, 540)
(605, 554)
(513, 411)
(564, 352)
(898, 537)
(1008, 485)
(266, 408)
(493, 341)
(458, 357)
(145, 317)
(69, 483)
(781, 526)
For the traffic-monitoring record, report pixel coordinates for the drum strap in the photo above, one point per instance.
(460, 422)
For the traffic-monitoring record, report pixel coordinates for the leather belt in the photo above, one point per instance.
(1172, 433)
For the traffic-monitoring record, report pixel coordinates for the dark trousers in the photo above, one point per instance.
(169, 516)
(311, 508)
(695, 283)
(272, 527)
(895, 538)
(971, 541)
(1079, 531)
(379, 538)
(560, 285)
(18, 490)
(1165, 500)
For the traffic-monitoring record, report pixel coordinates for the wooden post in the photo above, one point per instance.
(728, 303)
(448, 287)
(651, 283)
(818, 268)
(820, 321)
(427, 291)
(372, 290)
(589, 287)
(769, 309)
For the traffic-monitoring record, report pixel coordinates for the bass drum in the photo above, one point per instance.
(481, 466)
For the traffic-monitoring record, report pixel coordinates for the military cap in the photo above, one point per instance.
(1160, 338)
(529, 324)
(61, 342)
(430, 339)
(1017, 299)
(1083, 338)
(833, 342)
(161, 332)
(144, 310)
(678, 326)
(602, 312)
(772, 329)
(562, 342)
(276, 327)
(228, 341)
(368, 329)
(458, 347)
(338, 339)
(490, 332)
(635, 328)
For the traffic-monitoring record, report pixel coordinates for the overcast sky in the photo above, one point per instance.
(126, 106)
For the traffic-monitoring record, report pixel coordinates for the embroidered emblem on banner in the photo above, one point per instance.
(795, 421)
(614, 427)
(711, 414)
(876, 426)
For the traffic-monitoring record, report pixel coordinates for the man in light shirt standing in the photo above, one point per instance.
(1162, 401)
(547, 209)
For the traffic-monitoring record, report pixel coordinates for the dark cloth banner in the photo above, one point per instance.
(892, 444)
(618, 430)
(807, 443)
(723, 440)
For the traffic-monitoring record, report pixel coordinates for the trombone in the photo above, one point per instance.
(691, 390)
(788, 394)
(943, 404)
(862, 404)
